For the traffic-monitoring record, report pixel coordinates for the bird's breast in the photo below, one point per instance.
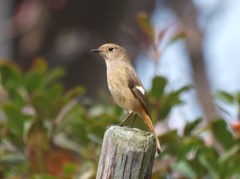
(118, 87)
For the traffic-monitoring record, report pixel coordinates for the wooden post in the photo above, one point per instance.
(127, 153)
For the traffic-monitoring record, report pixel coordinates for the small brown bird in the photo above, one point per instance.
(124, 84)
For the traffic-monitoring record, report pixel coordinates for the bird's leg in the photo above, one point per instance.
(129, 114)
(134, 119)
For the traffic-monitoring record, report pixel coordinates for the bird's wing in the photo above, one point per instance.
(137, 89)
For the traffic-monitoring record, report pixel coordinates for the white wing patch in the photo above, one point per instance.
(140, 88)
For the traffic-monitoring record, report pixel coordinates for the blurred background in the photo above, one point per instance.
(63, 32)
(191, 48)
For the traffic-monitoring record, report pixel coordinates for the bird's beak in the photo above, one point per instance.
(96, 50)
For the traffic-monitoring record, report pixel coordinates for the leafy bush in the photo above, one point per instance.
(44, 130)
(208, 150)
(47, 132)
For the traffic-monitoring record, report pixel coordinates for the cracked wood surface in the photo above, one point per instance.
(126, 153)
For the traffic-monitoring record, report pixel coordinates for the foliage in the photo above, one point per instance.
(46, 126)
(162, 101)
(203, 151)
(229, 99)
(194, 156)
(48, 133)
(226, 100)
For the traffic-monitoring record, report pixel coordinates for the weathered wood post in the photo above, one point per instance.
(127, 153)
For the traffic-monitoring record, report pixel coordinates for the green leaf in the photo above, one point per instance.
(15, 119)
(158, 86)
(76, 91)
(43, 106)
(35, 78)
(165, 102)
(189, 144)
(56, 92)
(69, 169)
(185, 168)
(164, 112)
(17, 94)
(170, 140)
(209, 159)
(34, 81)
(238, 98)
(10, 75)
(220, 132)
(191, 126)
(177, 36)
(229, 154)
(225, 96)
(54, 75)
(74, 124)
(183, 89)
(144, 23)
(197, 167)
(230, 167)
(173, 98)
(11, 82)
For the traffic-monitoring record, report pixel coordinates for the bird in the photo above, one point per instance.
(125, 85)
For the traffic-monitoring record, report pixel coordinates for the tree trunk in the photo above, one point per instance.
(187, 14)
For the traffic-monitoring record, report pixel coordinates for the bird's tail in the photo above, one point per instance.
(148, 121)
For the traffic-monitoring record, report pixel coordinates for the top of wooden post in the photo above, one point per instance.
(132, 138)
(126, 153)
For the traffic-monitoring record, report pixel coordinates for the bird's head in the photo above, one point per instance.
(111, 51)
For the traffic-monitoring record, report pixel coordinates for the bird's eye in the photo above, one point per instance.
(110, 49)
